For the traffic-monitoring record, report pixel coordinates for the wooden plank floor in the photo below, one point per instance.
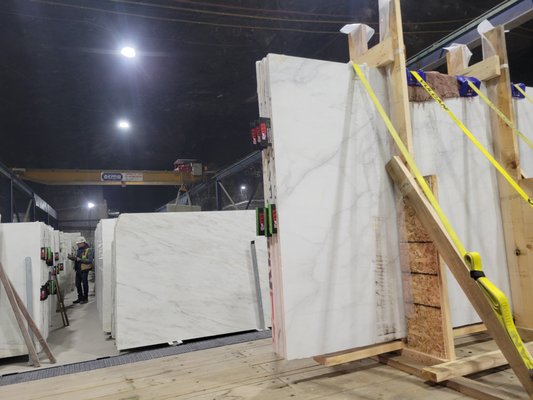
(243, 371)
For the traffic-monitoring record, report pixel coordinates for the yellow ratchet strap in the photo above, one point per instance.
(497, 299)
(523, 92)
(476, 142)
(500, 114)
(499, 303)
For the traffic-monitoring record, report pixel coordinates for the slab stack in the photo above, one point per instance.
(103, 243)
(335, 270)
(18, 241)
(182, 276)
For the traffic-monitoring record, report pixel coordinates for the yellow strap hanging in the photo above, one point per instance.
(500, 114)
(497, 299)
(476, 142)
(523, 93)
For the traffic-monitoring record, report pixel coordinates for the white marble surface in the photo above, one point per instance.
(185, 275)
(524, 120)
(103, 241)
(467, 187)
(18, 241)
(339, 270)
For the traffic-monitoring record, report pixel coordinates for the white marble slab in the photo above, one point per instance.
(18, 241)
(524, 120)
(463, 173)
(339, 257)
(103, 240)
(185, 275)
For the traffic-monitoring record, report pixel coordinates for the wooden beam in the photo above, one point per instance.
(33, 326)
(427, 215)
(342, 357)
(518, 241)
(380, 55)
(469, 330)
(483, 70)
(466, 366)
(455, 61)
(481, 391)
(400, 109)
(357, 43)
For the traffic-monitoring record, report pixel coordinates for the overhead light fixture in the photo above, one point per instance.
(123, 124)
(128, 52)
(243, 187)
(90, 205)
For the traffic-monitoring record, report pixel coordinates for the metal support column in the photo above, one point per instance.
(218, 192)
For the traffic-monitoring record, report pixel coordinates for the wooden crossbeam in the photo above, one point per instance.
(483, 70)
(428, 217)
(481, 391)
(466, 366)
(342, 357)
(380, 55)
(469, 329)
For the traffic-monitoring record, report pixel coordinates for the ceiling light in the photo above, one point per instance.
(123, 124)
(90, 205)
(128, 52)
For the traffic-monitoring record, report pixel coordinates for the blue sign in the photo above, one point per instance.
(111, 176)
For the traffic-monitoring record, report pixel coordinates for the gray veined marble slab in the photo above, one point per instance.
(103, 241)
(185, 275)
(336, 272)
(467, 188)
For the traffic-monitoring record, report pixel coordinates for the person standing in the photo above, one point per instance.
(83, 263)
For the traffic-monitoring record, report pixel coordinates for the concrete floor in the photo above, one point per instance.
(83, 340)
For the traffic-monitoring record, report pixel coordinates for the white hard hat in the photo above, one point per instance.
(81, 239)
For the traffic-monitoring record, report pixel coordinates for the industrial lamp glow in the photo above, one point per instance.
(123, 124)
(128, 52)
(90, 205)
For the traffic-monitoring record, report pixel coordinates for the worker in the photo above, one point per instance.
(83, 263)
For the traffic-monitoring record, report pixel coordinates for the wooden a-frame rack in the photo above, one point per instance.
(430, 353)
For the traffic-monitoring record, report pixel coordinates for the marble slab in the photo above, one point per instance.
(181, 276)
(338, 273)
(467, 188)
(18, 241)
(524, 120)
(103, 241)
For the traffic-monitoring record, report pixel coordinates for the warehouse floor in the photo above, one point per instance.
(81, 341)
(242, 371)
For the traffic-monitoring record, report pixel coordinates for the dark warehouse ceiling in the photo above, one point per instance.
(191, 91)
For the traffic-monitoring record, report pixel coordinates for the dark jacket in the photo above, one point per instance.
(87, 257)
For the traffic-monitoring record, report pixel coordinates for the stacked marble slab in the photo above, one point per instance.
(182, 276)
(18, 241)
(103, 242)
(335, 270)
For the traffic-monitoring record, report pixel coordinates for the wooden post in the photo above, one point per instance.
(519, 245)
(429, 218)
(422, 344)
